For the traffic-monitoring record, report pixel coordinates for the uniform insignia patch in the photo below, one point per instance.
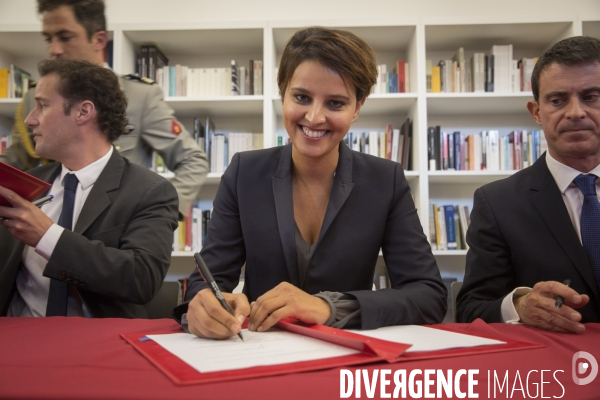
(175, 128)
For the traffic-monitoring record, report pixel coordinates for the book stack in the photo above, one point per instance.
(448, 226)
(394, 81)
(487, 150)
(393, 144)
(493, 72)
(14, 82)
(191, 232)
(182, 81)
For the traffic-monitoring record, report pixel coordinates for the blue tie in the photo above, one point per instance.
(590, 222)
(57, 298)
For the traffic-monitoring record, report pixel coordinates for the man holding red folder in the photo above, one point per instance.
(102, 247)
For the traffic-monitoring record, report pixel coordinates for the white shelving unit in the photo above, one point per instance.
(415, 40)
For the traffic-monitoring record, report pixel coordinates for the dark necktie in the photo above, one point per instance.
(57, 298)
(590, 222)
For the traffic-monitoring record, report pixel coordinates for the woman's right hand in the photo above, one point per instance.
(208, 319)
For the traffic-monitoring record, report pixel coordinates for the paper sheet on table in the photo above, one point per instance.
(257, 349)
(427, 339)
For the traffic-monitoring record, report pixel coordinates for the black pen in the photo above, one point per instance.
(208, 278)
(559, 299)
(44, 200)
(38, 203)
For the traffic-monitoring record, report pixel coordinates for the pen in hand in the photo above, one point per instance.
(559, 299)
(38, 203)
(208, 278)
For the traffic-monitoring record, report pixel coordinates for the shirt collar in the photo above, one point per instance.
(563, 174)
(88, 175)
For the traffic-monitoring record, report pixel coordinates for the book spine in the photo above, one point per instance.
(450, 232)
(431, 148)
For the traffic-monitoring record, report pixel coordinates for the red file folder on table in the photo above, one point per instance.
(25, 185)
(371, 350)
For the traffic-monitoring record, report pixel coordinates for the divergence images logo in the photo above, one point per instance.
(581, 367)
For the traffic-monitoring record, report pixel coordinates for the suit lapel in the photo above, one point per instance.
(284, 207)
(341, 189)
(98, 200)
(547, 200)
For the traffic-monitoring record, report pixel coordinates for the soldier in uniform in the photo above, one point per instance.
(76, 29)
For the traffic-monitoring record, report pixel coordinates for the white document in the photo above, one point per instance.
(258, 349)
(427, 339)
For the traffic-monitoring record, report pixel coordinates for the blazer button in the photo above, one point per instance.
(61, 275)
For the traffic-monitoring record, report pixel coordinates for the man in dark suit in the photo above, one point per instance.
(533, 231)
(102, 247)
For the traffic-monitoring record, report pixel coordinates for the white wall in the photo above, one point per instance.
(134, 11)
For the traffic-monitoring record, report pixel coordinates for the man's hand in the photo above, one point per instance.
(208, 319)
(537, 308)
(23, 220)
(284, 301)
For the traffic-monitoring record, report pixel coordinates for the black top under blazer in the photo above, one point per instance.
(521, 234)
(370, 208)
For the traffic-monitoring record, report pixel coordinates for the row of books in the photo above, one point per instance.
(190, 233)
(394, 81)
(223, 147)
(180, 80)
(149, 61)
(486, 150)
(493, 72)
(448, 226)
(393, 144)
(14, 82)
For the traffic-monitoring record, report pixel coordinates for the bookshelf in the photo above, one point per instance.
(215, 43)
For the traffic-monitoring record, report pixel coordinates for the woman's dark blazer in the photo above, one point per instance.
(370, 208)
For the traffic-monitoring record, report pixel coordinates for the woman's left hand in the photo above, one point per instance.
(285, 301)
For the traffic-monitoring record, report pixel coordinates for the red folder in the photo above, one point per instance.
(25, 185)
(372, 350)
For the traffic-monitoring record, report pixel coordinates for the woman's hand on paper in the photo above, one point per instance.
(285, 301)
(208, 319)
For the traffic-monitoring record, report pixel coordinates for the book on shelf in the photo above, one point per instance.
(14, 82)
(4, 76)
(224, 145)
(235, 79)
(448, 226)
(183, 81)
(150, 60)
(428, 75)
(493, 72)
(487, 150)
(394, 144)
(396, 80)
(190, 233)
